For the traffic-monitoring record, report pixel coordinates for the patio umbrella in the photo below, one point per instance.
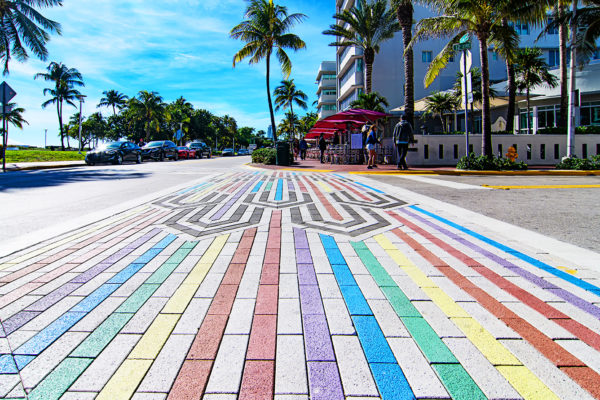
(356, 116)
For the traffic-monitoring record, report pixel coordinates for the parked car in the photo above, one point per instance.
(227, 152)
(184, 152)
(202, 150)
(159, 150)
(243, 152)
(115, 152)
(192, 153)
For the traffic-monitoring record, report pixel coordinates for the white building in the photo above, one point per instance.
(388, 68)
(326, 90)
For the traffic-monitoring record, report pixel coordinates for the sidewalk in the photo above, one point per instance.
(259, 284)
(42, 165)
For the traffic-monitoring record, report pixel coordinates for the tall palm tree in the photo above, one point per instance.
(147, 108)
(290, 124)
(366, 27)
(532, 70)
(15, 118)
(22, 27)
(370, 101)
(64, 79)
(267, 30)
(483, 20)
(404, 13)
(438, 103)
(287, 94)
(112, 98)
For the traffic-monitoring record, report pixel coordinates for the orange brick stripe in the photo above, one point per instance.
(586, 377)
(330, 209)
(258, 379)
(195, 371)
(579, 330)
(353, 190)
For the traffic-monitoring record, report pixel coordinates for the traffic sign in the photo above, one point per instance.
(461, 46)
(7, 109)
(465, 64)
(6, 93)
(178, 134)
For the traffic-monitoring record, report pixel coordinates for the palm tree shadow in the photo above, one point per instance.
(58, 177)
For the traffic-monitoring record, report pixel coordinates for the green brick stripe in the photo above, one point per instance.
(454, 377)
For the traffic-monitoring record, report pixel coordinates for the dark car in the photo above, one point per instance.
(202, 150)
(243, 152)
(159, 150)
(115, 152)
(227, 152)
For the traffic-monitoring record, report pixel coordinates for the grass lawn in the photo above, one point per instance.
(16, 156)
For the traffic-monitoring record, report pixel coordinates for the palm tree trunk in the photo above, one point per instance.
(114, 110)
(564, 89)
(293, 128)
(369, 58)
(512, 90)
(405, 17)
(443, 123)
(486, 123)
(59, 111)
(269, 98)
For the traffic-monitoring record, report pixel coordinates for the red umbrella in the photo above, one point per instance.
(356, 116)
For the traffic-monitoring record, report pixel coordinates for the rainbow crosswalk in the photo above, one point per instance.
(281, 285)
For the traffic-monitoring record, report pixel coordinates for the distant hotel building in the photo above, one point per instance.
(388, 69)
(327, 90)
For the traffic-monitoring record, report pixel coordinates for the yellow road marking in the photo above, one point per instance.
(521, 378)
(542, 187)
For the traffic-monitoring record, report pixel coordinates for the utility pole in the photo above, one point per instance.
(572, 87)
(81, 98)
(45, 138)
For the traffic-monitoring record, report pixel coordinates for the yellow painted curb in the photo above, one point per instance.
(542, 187)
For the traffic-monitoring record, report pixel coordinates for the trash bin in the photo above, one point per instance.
(283, 153)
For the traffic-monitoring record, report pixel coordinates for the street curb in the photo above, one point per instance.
(30, 168)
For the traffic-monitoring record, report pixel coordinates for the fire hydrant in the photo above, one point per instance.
(512, 154)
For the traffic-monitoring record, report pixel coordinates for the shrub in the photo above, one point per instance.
(489, 163)
(587, 130)
(552, 131)
(574, 163)
(264, 156)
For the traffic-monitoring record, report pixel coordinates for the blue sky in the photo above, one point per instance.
(174, 47)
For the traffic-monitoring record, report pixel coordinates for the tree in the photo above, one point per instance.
(366, 27)
(64, 79)
(179, 114)
(114, 99)
(370, 101)
(532, 70)
(22, 27)
(438, 103)
(287, 94)
(230, 129)
(147, 108)
(15, 118)
(483, 20)
(289, 125)
(404, 13)
(267, 29)
(307, 122)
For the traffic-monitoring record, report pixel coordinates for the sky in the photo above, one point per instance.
(174, 47)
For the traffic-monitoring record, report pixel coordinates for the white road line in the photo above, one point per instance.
(440, 182)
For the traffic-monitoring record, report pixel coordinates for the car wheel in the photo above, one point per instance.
(119, 160)
(176, 158)
(91, 164)
(209, 155)
(138, 160)
(199, 155)
(161, 157)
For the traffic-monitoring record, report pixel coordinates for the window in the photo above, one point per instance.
(329, 92)
(553, 57)
(500, 150)
(590, 113)
(543, 151)
(441, 152)
(329, 107)
(556, 151)
(553, 31)
(327, 76)
(529, 151)
(456, 152)
(522, 28)
(494, 56)
(584, 152)
(426, 152)
(451, 58)
(426, 56)
(471, 149)
(523, 120)
(548, 116)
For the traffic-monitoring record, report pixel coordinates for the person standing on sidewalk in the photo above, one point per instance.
(303, 148)
(403, 136)
(322, 146)
(372, 142)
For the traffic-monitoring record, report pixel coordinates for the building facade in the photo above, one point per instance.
(388, 68)
(326, 89)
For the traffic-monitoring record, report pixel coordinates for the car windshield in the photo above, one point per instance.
(114, 145)
(196, 145)
(227, 149)
(154, 144)
(182, 148)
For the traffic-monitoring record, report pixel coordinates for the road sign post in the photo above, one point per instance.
(465, 67)
(6, 93)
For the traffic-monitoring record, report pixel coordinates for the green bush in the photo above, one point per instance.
(581, 164)
(264, 156)
(587, 130)
(552, 131)
(489, 163)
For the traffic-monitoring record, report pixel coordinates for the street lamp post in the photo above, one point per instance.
(81, 99)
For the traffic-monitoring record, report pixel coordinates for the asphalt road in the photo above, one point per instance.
(36, 200)
(568, 214)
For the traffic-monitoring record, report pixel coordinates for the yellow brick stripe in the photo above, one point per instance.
(210, 188)
(124, 382)
(521, 378)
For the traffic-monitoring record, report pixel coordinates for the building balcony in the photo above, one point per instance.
(325, 84)
(347, 55)
(327, 99)
(325, 113)
(356, 80)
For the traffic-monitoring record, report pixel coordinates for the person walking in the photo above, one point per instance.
(322, 146)
(372, 142)
(303, 148)
(296, 147)
(403, 136)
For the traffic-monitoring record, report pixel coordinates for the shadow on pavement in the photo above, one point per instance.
(46, 178)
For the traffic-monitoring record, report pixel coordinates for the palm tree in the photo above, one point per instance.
(370, 101)
(22, 27)
(230, 126)
(15, 118)
(404, 13)
(114, 99)
(287, 94)
(65, 79)
(438, 103)
(366, 27)
(290, 124)
(307, 122)
(265, 30)
(147, 108)
(532, 70)
(483, 20)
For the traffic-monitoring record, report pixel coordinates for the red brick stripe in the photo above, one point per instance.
(330, 209)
